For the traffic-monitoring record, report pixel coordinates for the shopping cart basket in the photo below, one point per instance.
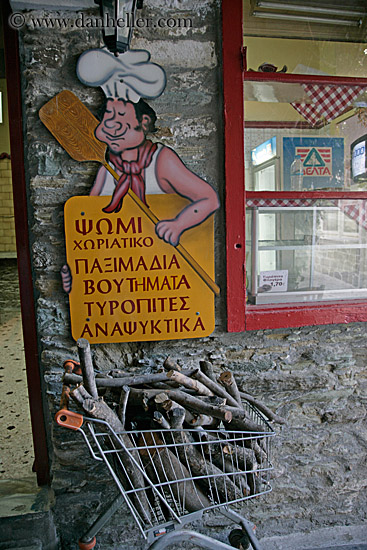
(168, 478)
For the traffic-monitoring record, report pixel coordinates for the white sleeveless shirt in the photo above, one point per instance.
(149, 175)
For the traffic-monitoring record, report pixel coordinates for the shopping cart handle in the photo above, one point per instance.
(69, 419)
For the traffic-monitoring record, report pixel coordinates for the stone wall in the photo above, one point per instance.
(315, 377)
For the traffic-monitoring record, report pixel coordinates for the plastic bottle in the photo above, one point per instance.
(297, 174)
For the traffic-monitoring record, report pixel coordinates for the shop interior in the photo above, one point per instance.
(305, 153)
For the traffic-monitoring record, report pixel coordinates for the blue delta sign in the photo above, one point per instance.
(322, 159)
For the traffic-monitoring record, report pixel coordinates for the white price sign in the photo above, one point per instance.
(273, 281)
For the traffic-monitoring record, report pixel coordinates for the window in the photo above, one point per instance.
(298, 243)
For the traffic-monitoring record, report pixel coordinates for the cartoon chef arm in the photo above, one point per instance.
(174, 177)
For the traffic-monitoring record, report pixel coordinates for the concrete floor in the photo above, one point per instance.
(352, 537)
(26, 520)
(16, 448)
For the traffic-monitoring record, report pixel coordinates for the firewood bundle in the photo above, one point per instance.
(190, 439)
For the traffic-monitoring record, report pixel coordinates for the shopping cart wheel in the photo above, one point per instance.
(239, 539)
(87, 544)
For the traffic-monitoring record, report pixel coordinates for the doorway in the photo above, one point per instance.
(16, 448)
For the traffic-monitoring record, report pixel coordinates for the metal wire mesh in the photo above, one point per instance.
(179, 472)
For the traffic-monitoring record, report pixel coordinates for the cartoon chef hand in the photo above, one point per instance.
(66, 278)
(169, 230)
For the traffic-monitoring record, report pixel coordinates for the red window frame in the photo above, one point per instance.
(241, 317)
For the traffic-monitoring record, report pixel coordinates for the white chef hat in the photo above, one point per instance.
(128, 76)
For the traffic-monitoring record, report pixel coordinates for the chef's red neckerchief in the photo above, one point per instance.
(131, 176)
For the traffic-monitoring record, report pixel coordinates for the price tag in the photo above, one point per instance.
(273, 281)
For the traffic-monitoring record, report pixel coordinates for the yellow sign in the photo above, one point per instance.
(127, 284)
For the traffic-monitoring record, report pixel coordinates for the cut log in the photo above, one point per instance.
(176, 416)
(229, 382)
(161, 420)
(134, 479)
(235, 416)
(86, 365)
(162, 385)
(242, 422)
(216, 388)
(79, 394)
(220, 486)
(172, 477)
(245, 458)
(117, 382)
(228, 465)
(174, 411)
(72, 379)
(207, 368)
(142, 397)
(232, 457)
(126, 380)
(213, 400)
(171, 400)
(194, 403)
(170, 364)
(140, 379)
(117, 373)
(124, 397)
(189, 383)
(65, 396)
(260, 454)
(196, 420)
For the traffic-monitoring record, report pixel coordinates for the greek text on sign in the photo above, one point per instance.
(317, 161)
(127, 284)
(277, 280)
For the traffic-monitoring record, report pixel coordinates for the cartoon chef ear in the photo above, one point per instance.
(146, 116)
(146, 123)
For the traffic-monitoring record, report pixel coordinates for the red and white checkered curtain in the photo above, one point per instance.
(328, 102)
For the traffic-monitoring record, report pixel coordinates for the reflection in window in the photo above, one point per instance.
(323, 123)
(301, 251)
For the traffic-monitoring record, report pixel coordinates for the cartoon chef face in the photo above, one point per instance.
(120, 128)
(125, 79)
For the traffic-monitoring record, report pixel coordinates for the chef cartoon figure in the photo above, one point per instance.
(145, 167)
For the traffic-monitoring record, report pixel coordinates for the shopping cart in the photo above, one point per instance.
(169, 478)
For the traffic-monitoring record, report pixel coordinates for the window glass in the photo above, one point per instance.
(305, 250)
(325, 123)
(311, 56)
(327, 36)
(331, 156)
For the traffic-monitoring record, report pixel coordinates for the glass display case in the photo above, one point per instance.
(310, 252)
